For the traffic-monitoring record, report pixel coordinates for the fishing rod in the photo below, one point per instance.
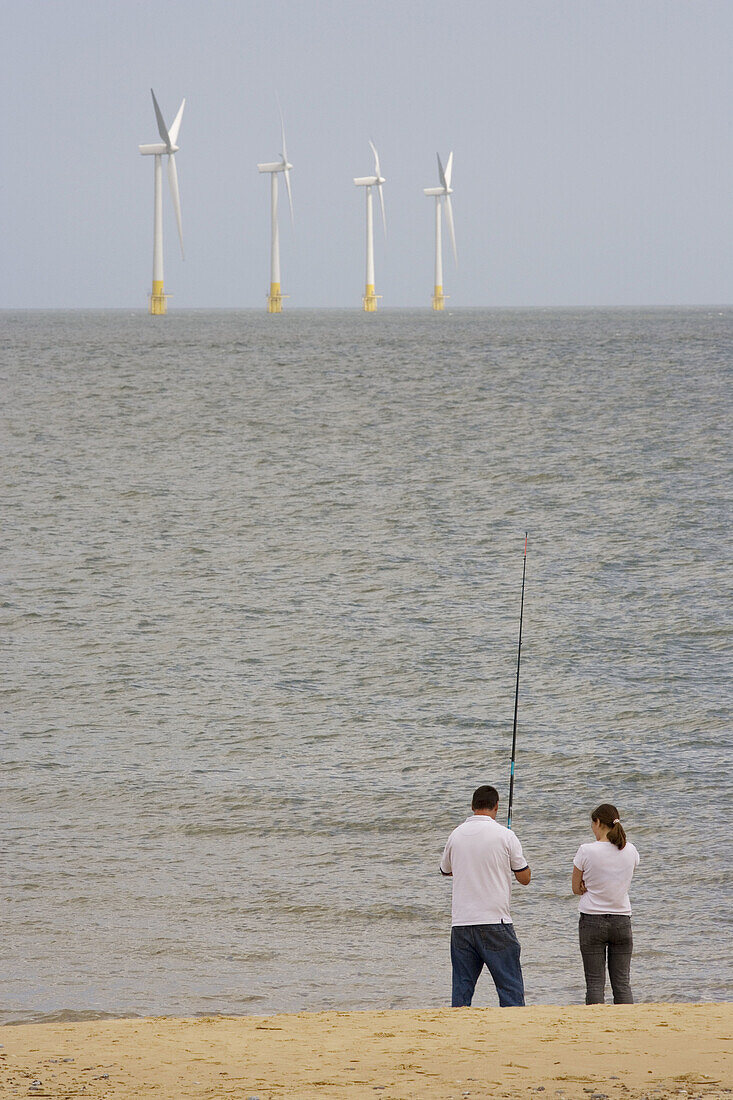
(516, 694)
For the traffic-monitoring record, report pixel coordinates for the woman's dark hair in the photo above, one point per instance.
(608, 815)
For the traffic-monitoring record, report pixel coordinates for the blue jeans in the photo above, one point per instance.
(601, 935)
(496, 945)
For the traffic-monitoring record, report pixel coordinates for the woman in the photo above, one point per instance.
(601, 876)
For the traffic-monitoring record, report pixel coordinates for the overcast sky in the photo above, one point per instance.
(592, 139)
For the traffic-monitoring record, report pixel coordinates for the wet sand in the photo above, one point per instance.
(656, 1051)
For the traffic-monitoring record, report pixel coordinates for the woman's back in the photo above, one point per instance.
(607, 872)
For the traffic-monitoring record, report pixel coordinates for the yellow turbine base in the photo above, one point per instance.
(274, 299)
(369, 300)
(158, 300)
(439, 298)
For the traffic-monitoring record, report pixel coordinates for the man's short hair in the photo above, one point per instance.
(485, 798)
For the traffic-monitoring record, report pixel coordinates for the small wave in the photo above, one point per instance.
(65, 1016)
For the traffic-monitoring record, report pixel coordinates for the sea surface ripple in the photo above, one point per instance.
(260, 601)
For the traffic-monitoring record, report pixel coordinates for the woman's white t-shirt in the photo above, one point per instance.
(607, 873)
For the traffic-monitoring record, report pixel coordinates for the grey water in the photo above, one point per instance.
(259, 590)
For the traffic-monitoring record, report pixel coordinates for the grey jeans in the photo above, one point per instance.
(605, 935)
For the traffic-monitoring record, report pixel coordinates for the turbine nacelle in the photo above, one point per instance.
(280, 166)
(158, 150)
(437, 191)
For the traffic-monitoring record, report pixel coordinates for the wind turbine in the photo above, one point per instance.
(370, 298)
(442, 198)
(158, 298)
(275, 298)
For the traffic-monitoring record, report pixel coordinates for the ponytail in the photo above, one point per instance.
(607, 815)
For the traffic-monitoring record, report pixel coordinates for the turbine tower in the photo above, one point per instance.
(158, 297)
(275, 297)
(442, 199)
(369, 300)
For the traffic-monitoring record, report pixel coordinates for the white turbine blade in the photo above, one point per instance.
(449, 170)
(451, 230)
(282, 131)
(173, 132)
(286, 170)
(286, 173)
(381, 202)
(441, 173)
(377, 170)
(173, 181)
(161, 121)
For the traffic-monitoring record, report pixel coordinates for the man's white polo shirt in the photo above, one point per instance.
(481, 855)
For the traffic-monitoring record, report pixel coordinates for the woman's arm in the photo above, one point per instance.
(579, 886)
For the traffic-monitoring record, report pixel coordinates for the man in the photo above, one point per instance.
(481, 856)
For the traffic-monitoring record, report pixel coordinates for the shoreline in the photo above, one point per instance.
(655, 1051)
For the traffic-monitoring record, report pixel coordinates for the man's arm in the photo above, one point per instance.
(445, 862)
(522, 874)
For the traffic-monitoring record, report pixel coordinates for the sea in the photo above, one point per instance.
(260, 585)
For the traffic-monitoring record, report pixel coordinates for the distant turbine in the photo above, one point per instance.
(442, 198)
(275, 297)
(158, 298)
(370, 298)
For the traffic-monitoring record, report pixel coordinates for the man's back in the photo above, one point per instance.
(481, 855)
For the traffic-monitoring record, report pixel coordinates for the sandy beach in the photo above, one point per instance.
(657, 1051)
